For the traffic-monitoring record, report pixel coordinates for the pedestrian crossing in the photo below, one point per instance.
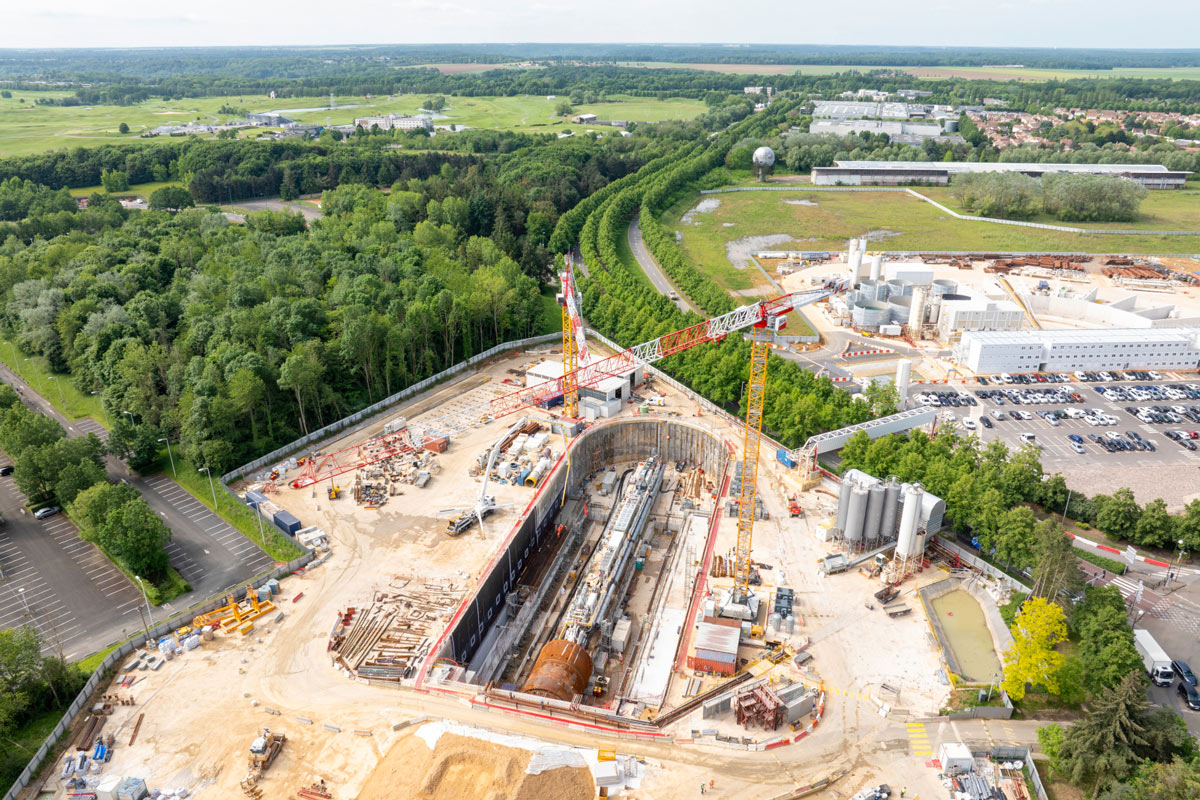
(918, 739)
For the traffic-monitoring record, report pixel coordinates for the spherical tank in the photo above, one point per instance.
(875, 498)
(561, 671)
(764, 157)
(844, 503)
(891, 505)
(910, 518)
(856, 515)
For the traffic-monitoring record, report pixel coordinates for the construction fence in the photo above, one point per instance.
(118, 655)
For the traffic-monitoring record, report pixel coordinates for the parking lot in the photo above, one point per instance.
(1057, 449)
(66, 588)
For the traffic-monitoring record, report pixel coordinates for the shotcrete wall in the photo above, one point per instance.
(620, 440)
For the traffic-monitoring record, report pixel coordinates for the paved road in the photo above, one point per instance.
(651, 268)
(67, 589)
(208, 552)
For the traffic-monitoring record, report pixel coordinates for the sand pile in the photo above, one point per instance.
(462, 767)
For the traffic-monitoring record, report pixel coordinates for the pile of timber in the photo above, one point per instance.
(390, 638)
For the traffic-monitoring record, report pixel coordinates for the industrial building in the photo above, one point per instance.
(897, 131)
(940, 173)
(977, 314)
(604, 399)
(988, 352)
(269, 119)
(394, 122)
(842, 109)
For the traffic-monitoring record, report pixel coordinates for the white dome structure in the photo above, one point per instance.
(763, 160)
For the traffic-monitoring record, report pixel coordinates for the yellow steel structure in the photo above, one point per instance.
(570, 355)
(760, 347)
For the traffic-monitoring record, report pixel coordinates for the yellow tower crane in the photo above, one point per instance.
(574, 345)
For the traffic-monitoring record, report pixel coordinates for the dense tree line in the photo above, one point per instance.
(619, 303)
(31, 685)
(1071, 198)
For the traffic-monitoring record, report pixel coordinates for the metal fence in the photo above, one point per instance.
(117, 656)
(345, 423)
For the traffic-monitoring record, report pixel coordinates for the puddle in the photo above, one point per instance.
(800, 202)
(705, 206)
(739, 252)
(880, 235)
(967, 635)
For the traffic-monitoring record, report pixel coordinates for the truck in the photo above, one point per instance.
(1158, 663)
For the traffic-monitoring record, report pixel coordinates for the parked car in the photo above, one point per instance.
(1183, 671)
(48, 511)
(987, 423)
(7, 469)
(1190, 696)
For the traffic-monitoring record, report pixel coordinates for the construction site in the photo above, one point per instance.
(596, 583)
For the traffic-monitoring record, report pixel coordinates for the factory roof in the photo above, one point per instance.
(858, 109)
(719, 635)
(1003, 166)
(1105, 335)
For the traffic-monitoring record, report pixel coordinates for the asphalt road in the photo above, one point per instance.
(1175, 624)
(651, 268)
(63, 586)
(208, 552)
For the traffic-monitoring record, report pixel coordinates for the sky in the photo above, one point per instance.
(983, 23)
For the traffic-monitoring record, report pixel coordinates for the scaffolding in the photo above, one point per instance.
(759, 705)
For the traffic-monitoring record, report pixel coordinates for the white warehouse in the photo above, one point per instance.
(990, 352)
(979, 314)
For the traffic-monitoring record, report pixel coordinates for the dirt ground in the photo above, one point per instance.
(460, 767)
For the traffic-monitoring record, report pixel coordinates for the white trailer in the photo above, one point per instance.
(1158, 663)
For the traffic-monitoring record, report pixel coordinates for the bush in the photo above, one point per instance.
(1091, 198)
(1109, 564)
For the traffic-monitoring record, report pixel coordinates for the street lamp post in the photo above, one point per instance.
(1065, 507)
(173, 472)
(211, 486)
(37, 375)
(60, 391)
(149, 613)
(1180, 553)
(24, 602)
(261, 533)
(132, 421)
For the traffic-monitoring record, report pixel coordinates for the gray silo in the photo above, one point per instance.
(891, 505)
(856, 516)
(910, 520)
(843, 503)
(875, 499)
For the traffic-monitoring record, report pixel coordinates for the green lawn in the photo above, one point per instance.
(58, 389)
(26, 740)
(1161, 210)
(142, 190)
(26, 127)
(894, 221)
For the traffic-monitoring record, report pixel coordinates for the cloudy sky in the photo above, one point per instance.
(151, 23)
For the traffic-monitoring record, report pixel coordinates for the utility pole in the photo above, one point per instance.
(211, 486)
(149, 613)
(60, 392)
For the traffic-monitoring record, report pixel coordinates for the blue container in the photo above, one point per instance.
(255, 499)
(272, 586)
(286, 522)
(782, 456)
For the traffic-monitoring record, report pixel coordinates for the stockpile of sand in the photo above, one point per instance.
(462, 767)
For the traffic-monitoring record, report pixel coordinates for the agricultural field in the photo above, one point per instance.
(29, 128)
(733, 224)
(998, 73)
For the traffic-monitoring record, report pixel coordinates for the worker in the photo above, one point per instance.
(703, 788)
(903, 791)
(711, 783)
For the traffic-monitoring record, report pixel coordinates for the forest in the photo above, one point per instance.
(234, 339)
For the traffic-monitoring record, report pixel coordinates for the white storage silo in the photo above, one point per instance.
(903, 379)
(916, 315)
(876, 266)
(891, 509)
(856, 516)
(875, 500)
(910, 519)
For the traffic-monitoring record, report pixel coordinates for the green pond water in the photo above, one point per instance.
(967, 635)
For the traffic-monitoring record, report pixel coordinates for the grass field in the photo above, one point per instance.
(892, 221)
(29, 128)
(1161, 210)
(999, 73)
(57, 389)
(142, 190)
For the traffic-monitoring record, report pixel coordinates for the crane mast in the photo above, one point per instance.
(574, 346)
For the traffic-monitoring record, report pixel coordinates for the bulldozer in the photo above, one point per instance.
(263, 750)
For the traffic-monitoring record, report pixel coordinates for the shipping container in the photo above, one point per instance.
(287, 522)
(784, 458)
(438, 445)
(715, 664)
